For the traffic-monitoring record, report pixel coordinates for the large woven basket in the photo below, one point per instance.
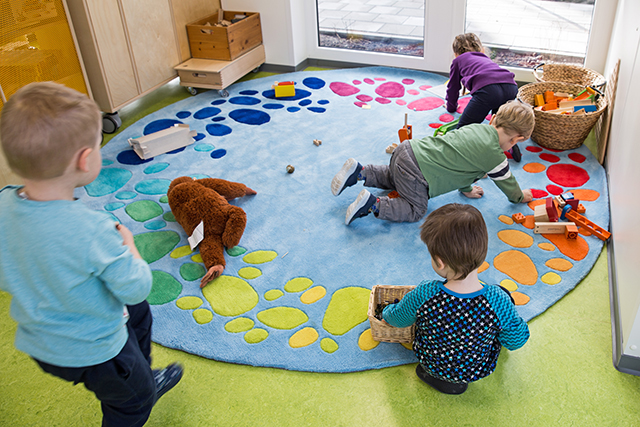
(559, 131)
(381, 330)
(568, 74)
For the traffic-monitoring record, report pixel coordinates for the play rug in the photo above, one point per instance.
(294, 294)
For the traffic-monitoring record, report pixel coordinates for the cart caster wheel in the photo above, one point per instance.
(192, 90)
(223, 93)
(255, 70)
(111, 122)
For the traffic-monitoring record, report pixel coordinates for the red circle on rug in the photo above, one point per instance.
(554, 189)
(534, 149)
(383, 100)
(446, 118)
(538, 194)
(577, 157)
(364, 98)
(550, 157)
(567, 175)
(435, 125)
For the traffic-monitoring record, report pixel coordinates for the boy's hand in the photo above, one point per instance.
(476, 192)
(527, 196)
(127, 238)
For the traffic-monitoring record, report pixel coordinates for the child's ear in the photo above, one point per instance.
(82, 163)
(493, 116)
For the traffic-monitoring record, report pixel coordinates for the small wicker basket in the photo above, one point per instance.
(381, 330)
(560, 131)
(568, 74)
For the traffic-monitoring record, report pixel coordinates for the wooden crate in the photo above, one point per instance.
(381, 330)
(224, 43)
(215, 74)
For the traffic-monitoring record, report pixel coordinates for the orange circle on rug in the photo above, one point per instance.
(534, 167)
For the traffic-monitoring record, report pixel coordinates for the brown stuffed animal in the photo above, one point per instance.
(207, 200)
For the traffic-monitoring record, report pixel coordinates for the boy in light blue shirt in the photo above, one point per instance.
(78, 283)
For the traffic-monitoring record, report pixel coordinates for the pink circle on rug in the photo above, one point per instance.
(413, 92)
(567, 175)
(554, 190)
(488, 118)
(425, 87)
(538, 194)
(401, 102)
(424, 104)
(360, 104)
(390, 90)
(383, 100)
(343, 89)
(462, 104)
(369, 81)
(435, 125)
(357, 82)
(364, 98)
(380, 79)
(408, 81)
(534, 149)
(550, 157)
(446, 118)
(577, 157)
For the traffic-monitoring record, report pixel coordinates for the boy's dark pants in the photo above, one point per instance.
(485, 100)
(124, 385)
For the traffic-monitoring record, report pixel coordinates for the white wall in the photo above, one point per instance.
(624, 174)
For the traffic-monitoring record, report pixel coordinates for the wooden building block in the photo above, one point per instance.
(518, 218)
(596, 230)
(551, 227)
(163, 141)
(552, 212)
(571, 231)
(540, 214)
(581, 209)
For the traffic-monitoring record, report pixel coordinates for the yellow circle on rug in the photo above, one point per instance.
(312, 295)
(509, 285)
(366, 341)
(180, 252)
(551, 278)
(303, 338)
(506, 219)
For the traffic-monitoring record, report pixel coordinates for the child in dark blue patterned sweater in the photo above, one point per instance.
(461, 324)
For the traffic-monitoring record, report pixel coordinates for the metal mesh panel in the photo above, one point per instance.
(36, 45)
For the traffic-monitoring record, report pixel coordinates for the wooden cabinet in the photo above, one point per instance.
(130, 47)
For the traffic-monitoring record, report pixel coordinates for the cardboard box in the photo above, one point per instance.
(224, 43)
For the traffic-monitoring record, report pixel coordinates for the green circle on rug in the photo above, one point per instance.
(202, 316)
(249, 273)
(189, 303)
(347, 309)
(241, 324)
(143, 210)
(273, 294)
(236, 251)
(256, 335)
(328, 345)
(165, 288)
(191, 271)
(259, 257)
(155, 244)
(282, 317)
(169, 216)
(230, 296)
(298, 284)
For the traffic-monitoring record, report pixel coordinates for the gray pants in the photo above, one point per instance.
(404, 176)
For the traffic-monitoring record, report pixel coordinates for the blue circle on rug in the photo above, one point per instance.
(158, 125)
(106, 162)
(126, 195)
(216, 154)
(153, 186)
(323, 102)
(177, 150)
(183, 114)
(244, 100)
(273, 106)
(199, 136)
(300, 93)
(155, 168)
(304, 102)
(249, 116)
(109, 181)
(248, 92)
(219, 101)
(129, 157)
(113, 206)
(199, 176)
(203, 147)
(218, 119)
(206, 112)
(317, 109)
(155, 225)
(293, 109)
(313, 83)
(215, 129)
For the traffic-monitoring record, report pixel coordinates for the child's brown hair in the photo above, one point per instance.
(467, 42)
(457, 235)
(43, 125)
(515, 117)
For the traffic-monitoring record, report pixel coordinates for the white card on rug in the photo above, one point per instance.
(197, 236)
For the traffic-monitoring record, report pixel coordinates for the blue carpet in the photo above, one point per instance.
(294, 293)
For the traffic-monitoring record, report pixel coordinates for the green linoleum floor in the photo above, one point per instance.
(563, 376)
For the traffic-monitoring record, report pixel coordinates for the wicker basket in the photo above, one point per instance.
(560, 131)
(568, 74)
(381, 330)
